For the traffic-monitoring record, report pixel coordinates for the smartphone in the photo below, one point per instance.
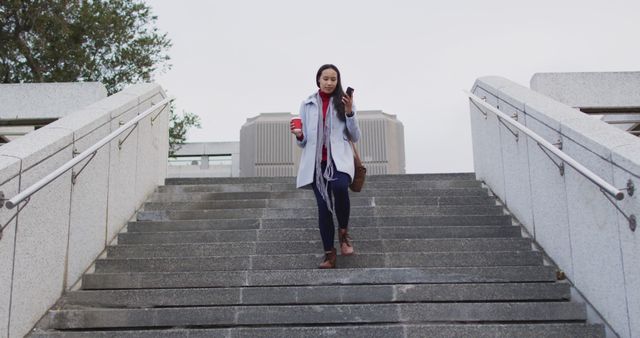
(349, 91)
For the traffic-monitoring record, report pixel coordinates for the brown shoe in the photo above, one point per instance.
(346, 248)
(329, 260)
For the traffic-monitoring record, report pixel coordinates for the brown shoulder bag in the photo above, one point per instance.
(359, 173)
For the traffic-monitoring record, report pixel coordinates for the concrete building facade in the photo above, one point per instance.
(267, 148)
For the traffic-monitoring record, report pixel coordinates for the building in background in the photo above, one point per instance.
(382, 144)
(609, 96)
(205, 159)
(267, 147)
(26, 107)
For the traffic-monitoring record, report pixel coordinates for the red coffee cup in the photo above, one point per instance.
(296, 124)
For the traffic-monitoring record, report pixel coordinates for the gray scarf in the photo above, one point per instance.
(324, 138)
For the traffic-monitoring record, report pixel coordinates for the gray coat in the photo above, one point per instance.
(341, 151)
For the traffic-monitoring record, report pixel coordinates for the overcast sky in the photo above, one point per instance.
(235, 59)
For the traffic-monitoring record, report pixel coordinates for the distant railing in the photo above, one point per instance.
(91, 151)
(597, 180)
(624, 118)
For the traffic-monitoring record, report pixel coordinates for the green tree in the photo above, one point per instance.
(178, 127)
(110, 41)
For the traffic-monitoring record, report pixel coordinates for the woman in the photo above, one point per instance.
(326, 164)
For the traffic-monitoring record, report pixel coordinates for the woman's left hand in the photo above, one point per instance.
(348, 104)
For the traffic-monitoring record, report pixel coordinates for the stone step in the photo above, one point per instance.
(397, 221)
(307, 193)
(312, 223)
(291, 186)
(535, 330)
(292, 180)
(307, 261)
(271, 235)
(303, 247)
(316, 314)
(166, 215)
(311, 202)
(530, 330)
(329, 294)
(208, 279)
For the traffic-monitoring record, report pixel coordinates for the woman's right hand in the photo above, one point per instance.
(296, 132)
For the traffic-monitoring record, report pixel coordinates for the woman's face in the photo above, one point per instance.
(328, 80)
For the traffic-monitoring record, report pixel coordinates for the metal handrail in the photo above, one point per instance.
(11, 203)
(591, 176)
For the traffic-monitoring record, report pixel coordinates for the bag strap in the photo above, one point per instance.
(355, 151)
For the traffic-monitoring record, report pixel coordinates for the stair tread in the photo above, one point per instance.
(311, 222)
(339, 276)
(318, 314)
(306, 247)
(319, 294)
(351, 230)
(284, 213)
(268, 235)
(371, 178)
(457, 330)
(303, 261)
(360, 198)
(291, 185)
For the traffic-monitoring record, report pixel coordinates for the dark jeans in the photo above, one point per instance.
(339, 191)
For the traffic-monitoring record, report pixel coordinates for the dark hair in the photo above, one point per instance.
(337, 93)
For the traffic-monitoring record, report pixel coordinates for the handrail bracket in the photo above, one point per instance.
(121, 141)
(26, 201)
(630, 218)
(480, 109)
(153, 119)
(630, 188)
(515, 133)
(74, 175)
(544, 150)
(557, 144)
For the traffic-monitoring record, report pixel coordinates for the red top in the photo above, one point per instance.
(325, 105)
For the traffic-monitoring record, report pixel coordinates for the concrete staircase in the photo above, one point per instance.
(236, 257)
